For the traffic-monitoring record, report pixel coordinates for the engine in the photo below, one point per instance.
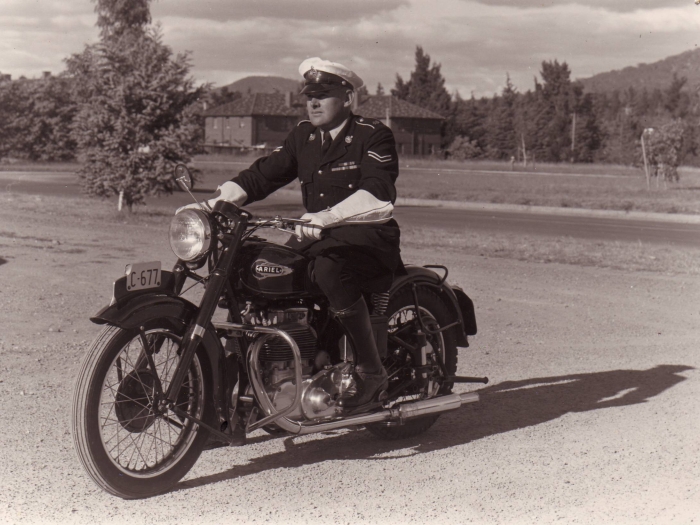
(322, 382)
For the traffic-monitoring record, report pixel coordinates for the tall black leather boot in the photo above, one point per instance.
(370, 377)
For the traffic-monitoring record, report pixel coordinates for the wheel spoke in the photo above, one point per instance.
(136, 438)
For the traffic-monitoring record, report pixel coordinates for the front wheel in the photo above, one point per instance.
(400, 363)
(127, 444)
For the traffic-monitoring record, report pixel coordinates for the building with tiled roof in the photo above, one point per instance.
(263, 120)
(416, 129)
(257, 120)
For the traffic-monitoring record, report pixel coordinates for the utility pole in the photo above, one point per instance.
(573, 137)
(644, 154)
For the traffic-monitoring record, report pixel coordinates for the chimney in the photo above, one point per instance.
(288, 99)
(46, 74)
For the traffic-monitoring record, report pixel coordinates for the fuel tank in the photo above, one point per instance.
(273, 270)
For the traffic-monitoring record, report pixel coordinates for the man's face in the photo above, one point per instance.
(327, 110)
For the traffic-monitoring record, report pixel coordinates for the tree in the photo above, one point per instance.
(676, 102)
(501, 130)
(136, 116)
(362, 94)
(463, 148)
(117, 17)
(36, 117)
(665, 150)
(426, 88)
(219, 97)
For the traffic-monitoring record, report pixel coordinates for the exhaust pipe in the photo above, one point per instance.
(434, 405)
(401, 414)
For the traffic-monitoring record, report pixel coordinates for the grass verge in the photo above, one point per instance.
(628, 256)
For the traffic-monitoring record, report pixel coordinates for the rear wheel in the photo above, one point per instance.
(400, 362)
(130, 446)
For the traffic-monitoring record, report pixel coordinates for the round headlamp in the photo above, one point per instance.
(190, 234)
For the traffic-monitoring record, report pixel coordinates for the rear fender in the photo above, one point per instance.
(131, 313)
(427, 277)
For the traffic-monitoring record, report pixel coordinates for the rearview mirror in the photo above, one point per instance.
(183, 177)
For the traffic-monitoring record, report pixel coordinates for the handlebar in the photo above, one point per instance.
(277, 222)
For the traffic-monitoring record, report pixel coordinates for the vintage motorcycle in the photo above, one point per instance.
(163, 380)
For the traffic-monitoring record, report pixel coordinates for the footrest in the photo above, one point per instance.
(467, 379)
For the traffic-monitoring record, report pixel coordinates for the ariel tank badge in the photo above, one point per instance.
(263, 269)
(312, 137)
(348, 139)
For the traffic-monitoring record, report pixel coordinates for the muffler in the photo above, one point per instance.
(434, 405)
(400, 414)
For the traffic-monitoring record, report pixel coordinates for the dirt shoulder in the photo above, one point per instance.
(590, 416)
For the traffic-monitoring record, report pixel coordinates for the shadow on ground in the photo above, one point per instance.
(504, 407)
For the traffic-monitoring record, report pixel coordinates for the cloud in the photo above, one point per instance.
(608, 5)
(476, 41)
(308, 10)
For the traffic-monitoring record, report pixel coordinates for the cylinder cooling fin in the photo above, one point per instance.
(277, 349)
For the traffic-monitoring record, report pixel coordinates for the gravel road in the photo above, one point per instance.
(591, 415)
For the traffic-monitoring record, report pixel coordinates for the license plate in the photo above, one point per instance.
(140, 276)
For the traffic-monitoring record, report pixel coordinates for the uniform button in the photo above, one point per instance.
(320, 194)
(320, 172)
(349, 185)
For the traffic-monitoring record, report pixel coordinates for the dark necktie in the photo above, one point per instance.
(327, 140)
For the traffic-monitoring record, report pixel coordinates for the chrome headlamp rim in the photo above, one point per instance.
(204, 221)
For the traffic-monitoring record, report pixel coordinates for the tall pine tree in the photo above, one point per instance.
(136, 116)
(426, 87)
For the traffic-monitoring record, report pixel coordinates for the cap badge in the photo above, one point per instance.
(314, 74)
(348, 139)
(312, 137)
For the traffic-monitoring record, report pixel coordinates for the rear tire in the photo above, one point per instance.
(435, 313)
(128, 447)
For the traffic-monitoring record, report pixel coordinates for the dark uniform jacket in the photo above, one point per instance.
(362, 156)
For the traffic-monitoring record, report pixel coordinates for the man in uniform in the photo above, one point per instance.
(347, 166)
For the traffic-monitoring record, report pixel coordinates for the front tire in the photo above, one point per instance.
(126, 445)
(402, 317)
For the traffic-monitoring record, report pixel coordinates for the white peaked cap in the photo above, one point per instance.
(334, 68)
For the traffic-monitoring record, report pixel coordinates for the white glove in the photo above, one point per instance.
(228, 191)
(363, 207)
(317, 221)
(360, 207)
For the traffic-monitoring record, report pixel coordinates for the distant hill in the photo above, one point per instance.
(656, 75)
(260, 84)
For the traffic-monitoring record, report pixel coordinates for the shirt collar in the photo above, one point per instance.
(334, 132)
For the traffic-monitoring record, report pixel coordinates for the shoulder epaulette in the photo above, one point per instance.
(361, 122)
(302, 121)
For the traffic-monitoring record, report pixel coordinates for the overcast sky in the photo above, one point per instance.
(477, 42)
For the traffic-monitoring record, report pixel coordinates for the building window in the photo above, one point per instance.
(228, 123)
(214, 120)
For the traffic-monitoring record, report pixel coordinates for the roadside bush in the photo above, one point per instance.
(462, 148)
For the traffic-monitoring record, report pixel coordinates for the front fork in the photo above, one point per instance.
(216, 284)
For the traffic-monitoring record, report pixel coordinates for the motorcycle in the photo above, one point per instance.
(163, 380)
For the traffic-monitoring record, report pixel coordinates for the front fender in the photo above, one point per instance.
(131, 313)
(452, 297)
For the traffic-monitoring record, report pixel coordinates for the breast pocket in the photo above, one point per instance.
(337, 188)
